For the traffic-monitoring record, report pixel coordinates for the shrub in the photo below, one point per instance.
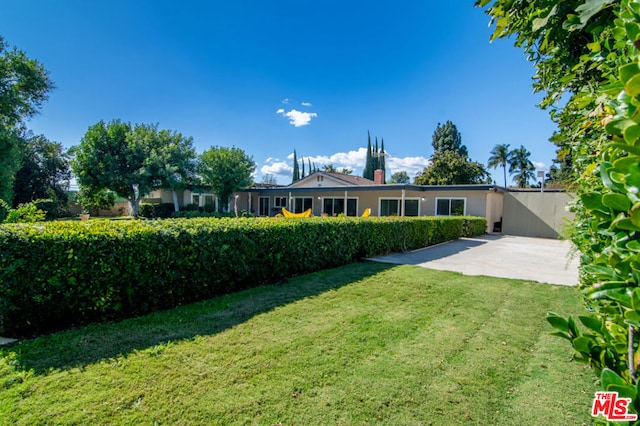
(25, 213)
(4, 210)
(59, 274)
(146, 210)
(163, 210)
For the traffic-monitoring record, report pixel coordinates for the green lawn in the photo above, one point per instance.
(362, 344)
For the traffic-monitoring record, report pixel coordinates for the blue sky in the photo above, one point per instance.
(273, 76)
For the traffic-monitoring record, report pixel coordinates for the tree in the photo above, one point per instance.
(296, 169)
(10, 160)
(227, 170)
(330, 168)
(367, 172)
(24, 86)
(345, 171)
(44, 172)
(452, 168)
(521, 166)
(446, 137)
(500, 157)
(269, 180)
(450, 163)
(131, 160)
(400, 177)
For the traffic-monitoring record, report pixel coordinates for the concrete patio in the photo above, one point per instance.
(536, 259)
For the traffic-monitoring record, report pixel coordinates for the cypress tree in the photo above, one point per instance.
(383, 162)
(296, 170)
(367, 173)
(302, 161)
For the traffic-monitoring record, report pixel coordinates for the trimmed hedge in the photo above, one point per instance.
(60, 274)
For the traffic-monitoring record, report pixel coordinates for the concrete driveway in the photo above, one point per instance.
(535, 259)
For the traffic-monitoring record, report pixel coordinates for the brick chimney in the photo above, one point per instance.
(378, 177)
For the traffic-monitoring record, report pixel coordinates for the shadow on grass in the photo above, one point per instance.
(87, 345)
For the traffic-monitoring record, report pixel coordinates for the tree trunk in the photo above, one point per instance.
(134, 201)
(174, 194)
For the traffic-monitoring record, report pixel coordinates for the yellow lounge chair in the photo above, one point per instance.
(366, 212)
(287, 213)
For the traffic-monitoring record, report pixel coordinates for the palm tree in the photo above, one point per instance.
(500, 157)
(521, 166)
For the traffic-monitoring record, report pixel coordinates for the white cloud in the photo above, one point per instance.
(297, 118)
(411, 165)
(278, 168)
(540, 165)
(285, 101)
(306, 104)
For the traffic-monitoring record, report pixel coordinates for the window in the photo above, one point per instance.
(391, 207)
(301, 204)
(209, 202)
(280, 202)
(195, 199)
(451, 206)
(335, 206)
(411, 207)
(263, 209)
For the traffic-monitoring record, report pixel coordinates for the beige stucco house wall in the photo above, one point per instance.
(535, 213)
(524, 213)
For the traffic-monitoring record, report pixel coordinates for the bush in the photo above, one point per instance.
(60, 274)
(25, 213)
(146, 210)
(4, 210)
(163, 210)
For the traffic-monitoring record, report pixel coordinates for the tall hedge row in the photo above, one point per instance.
(60, 274)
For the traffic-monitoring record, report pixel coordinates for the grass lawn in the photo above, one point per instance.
(362, 344)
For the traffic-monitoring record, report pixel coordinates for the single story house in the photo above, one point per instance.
(519, 212)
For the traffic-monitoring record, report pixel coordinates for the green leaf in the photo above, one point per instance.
(627, 224)
(610, 377)
(587, 10)
(632, 133)
(582, 344)
(632, 87)
(633, 30)
(592, 323)
(541, 22)
(628, 71)
(616, 201)
(617, 127)
(624, 391)
(558, 322)
(592, 201)
(635, 215)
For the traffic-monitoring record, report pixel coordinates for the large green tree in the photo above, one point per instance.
(44, 171)
(500, 157)
(400, 177)
(452, 168)
(24, 86)
(131, 160)
(227, 170)
(446, 137)
(10, 160)
(450, 163)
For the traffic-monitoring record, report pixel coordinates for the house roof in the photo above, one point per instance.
(339, 178)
